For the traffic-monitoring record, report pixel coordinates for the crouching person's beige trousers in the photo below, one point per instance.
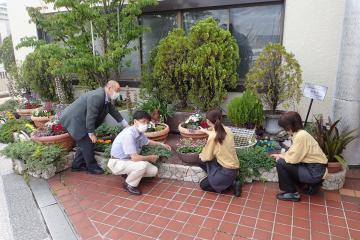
(135, 170)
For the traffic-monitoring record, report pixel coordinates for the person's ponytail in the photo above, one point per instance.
(220, 131)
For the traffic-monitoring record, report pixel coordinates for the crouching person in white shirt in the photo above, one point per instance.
(125, 154)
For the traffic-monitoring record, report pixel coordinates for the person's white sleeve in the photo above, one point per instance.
(124, 123)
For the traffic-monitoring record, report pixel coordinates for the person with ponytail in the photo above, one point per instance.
(219, 159)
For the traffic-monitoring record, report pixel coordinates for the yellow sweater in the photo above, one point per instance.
(224, 153)
(305, 149)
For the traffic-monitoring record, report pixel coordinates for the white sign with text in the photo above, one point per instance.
(314, 91)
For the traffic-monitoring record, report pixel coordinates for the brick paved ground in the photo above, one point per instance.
(99, 209)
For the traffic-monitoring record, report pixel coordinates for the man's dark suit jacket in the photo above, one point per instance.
(85, 114)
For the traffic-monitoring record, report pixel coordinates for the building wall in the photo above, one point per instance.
(312, 31)
(20, 26)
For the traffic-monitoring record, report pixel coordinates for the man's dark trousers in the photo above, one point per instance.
(84, 156)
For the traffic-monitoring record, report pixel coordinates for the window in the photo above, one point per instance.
(160, 25)
(131, 65)
(191, 17)
(253, 27)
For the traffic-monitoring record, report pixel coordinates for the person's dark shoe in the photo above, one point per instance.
(97, 170)
(293, 197)
(312, 189)
(130, 189)
(79, 169)
(124, 175)
(237, 188)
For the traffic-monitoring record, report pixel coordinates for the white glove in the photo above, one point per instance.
(124, 123)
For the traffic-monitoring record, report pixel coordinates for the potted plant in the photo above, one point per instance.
(276, 79)
(191, 127)
(42, 115)
(212, 63)
(53, 133)
(333, 143)
(107, 132)
(157, 131)
(188, 150)
(26, 106)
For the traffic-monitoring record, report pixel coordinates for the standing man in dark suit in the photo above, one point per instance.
(83, 116)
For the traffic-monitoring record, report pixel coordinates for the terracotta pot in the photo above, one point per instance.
(190, 158)
(25, 112)
(334, 167)
(176, 119)
(190, 133)
(159, 135)
(40, 121)
(63, 139)
(271, 122)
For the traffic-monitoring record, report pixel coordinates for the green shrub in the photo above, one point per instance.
(246, 111)
(156, 150)
(105, 130)
(37, 157)
(275, 77)
(153, 104)
(212, 63)
(12, 126)
(252, 160)
(10, 105)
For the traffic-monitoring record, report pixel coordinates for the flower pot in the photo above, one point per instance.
(174, 121)
(271, 122)
(334, 181)
(40, 121)
(334, 167)
(24, 113)
(158, 135)
(190, 158)
(191, 133)
(64, 140)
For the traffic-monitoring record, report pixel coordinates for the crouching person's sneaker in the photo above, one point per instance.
(130, 189)
(284, 196)
(237, 188)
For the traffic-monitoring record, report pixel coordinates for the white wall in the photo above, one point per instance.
(312, 31)
(19, 24)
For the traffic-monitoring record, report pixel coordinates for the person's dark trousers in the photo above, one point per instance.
(84, 156)
(205, 185)
(288, 176)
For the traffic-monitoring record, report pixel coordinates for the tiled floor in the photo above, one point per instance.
(99, 209)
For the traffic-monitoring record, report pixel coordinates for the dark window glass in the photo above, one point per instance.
(160, 25)
(221, 16)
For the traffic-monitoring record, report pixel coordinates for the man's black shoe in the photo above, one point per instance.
(130, 189)
(124, 175)
(96, 170)
(79, 169)
(312, 189)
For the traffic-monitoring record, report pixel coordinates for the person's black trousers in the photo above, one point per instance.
(288, 176)
(84, 156)
(293, 175)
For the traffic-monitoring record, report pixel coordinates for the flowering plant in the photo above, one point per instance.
(101, 145)
(155, 127)
(7, 115)
(52, 128)
(190, 146)
(41, 112)
(195, 121)
(28, 103)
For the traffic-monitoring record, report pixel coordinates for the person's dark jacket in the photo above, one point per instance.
(85, 114)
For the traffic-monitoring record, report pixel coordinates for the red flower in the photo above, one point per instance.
(204, 124)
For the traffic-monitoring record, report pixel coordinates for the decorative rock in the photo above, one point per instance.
(334, 181)
(102, 161)
(19, 166)
(48, 173)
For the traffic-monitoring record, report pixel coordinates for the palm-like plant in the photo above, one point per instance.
(331, 141)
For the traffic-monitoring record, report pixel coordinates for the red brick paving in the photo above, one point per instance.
(99, 209)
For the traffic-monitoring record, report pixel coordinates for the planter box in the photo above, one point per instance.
(25, 113)
(190, 133)
(176, 119)
(190, 158)
(63, 139)
(159, 135)
(334, 181)
(40, 121)
(19, 168)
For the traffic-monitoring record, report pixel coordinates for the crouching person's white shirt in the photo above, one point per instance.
(128, 142)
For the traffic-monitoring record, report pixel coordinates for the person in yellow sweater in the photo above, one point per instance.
(219, 159)
(303, 164)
